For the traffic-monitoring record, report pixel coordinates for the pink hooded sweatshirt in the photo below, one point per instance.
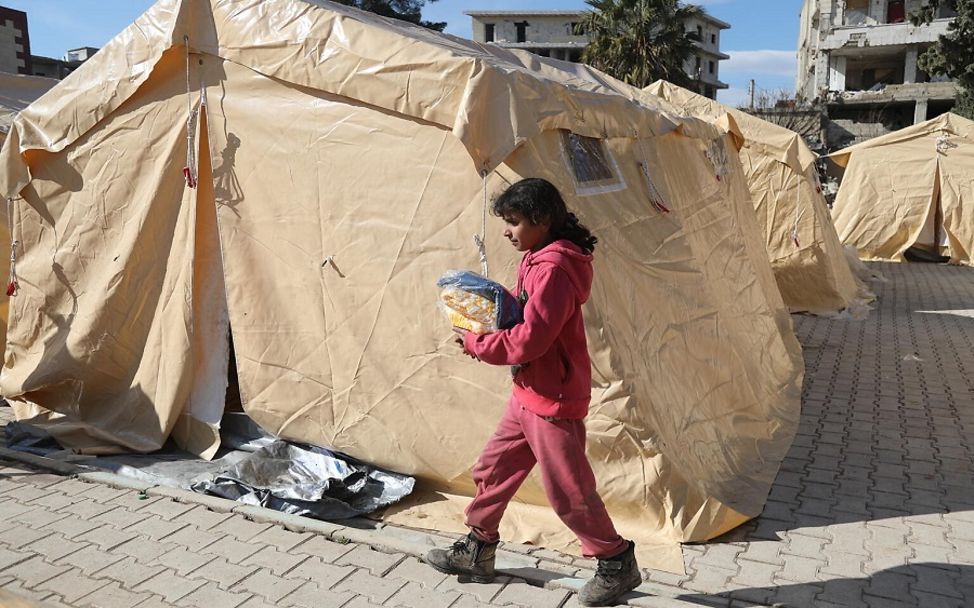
(556, 375)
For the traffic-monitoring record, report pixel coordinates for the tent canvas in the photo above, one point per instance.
(344, 161)
(910, 187)
(17, 91)
(806, 254)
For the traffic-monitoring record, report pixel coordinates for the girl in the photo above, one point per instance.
(543, 422)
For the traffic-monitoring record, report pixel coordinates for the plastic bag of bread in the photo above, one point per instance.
(478, 304)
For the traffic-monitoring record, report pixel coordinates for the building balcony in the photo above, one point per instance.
(891, 93)
(888, 34)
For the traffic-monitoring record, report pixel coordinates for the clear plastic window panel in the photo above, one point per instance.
(592, 166)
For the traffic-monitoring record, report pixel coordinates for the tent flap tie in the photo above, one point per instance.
(944, 144)
(189, 171)
(12, 283)
(479, 239)
(654, 195)
(799, 212)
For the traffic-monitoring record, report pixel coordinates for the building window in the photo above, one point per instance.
(895, 11)
(591, 165)
(700, 33)
(713, 39)
(712, 67)
(488, 32)
(945, 12)
(522, 31)
(856, 12)
(576, 28)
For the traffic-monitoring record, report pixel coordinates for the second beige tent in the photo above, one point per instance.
(910, 188)
(809, 264)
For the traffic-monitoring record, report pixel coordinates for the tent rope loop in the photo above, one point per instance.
(799, 212)
(480, 240)
(12, 283)
(944, 143)
(189, 171)
(654, 195)
(716, 153)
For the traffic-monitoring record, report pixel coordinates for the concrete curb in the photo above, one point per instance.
(513, 560)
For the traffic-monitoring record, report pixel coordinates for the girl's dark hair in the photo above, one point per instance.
(539, 201)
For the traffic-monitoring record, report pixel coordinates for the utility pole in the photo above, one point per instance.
(751, 91)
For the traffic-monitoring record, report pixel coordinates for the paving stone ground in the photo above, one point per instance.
(874, 504)
(873, 507)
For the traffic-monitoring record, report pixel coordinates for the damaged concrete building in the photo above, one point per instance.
(858, 58)
(561, 35)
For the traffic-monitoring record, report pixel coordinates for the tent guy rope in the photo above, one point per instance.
(12, 283)
(189, 171)
(944, 143)
(799, 212)
(479, 239)
(654, 195)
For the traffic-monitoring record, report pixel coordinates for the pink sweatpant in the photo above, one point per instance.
(522, 439)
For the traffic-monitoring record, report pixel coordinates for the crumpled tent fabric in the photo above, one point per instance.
(806, 254)
(17, 91)
(909, 187)
(344, 163)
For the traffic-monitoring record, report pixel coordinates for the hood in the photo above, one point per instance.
(569, 257)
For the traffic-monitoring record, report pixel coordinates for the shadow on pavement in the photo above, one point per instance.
(923, 584)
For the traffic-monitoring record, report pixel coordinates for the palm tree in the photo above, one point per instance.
(640, 41)
(405, 10)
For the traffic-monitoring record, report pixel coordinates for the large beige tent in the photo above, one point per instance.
(909, 188)
(343, 163)
(809, 264)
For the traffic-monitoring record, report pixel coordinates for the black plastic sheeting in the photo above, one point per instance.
(261, 470)
(307, 480)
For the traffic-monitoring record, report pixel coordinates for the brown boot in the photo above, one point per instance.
(468, 556)
(614, 577)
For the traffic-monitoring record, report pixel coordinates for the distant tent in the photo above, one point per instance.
(17, 91)
(909, 188)
(344, 161)
(809, 263)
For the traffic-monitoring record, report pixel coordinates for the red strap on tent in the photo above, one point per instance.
(655, 198)
(13, 285)
(189, 171)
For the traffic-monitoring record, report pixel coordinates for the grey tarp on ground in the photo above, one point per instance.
(279, 475)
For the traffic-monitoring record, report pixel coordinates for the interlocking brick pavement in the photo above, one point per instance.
(873, 505)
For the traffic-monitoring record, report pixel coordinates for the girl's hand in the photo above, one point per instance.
(459, 335)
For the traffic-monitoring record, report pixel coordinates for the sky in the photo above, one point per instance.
(761, 41)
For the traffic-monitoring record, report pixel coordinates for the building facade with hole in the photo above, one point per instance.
(859, 59)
